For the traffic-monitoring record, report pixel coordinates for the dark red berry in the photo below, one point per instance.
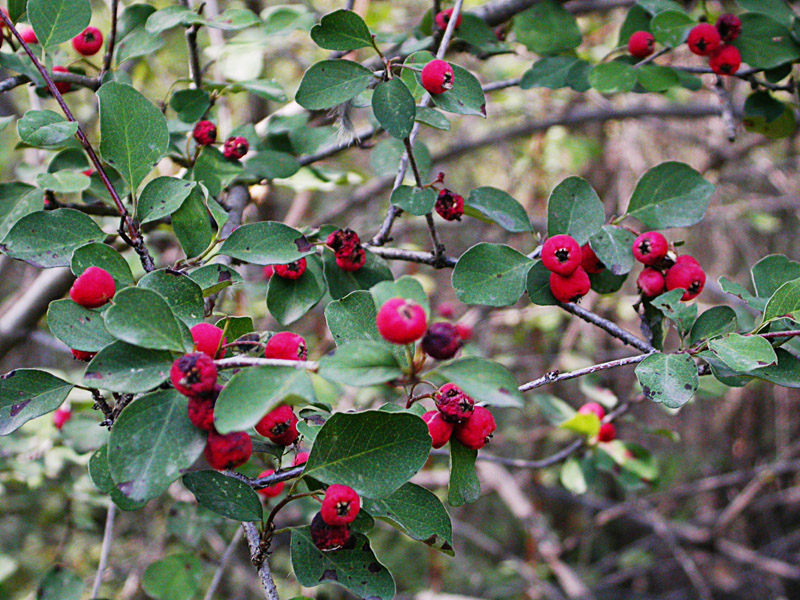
(61, 416)
(93, 288)
(607, 433)
(687, 276)
(328, 537)
(441, 341)
(83, 356)
(342, 239)
(340, 505)
(443, 18)
(401, 321)
(453, 403)
(651, 283)
(570, 288)
(589, 260)
(89, 42)
(449, 205)
(477, 431)
(271, 491)
(201, 409)
(726, 60)
(593, 408)
(351, 260)
(205, 133)
(439, 429)
(194, 374)
(62, 86)
(208, 339)
(650, 248)
(279, 425)
(729, 27)
(704, 39)
(235, 148)
(641, 44)
(286, 346)
(227, 451)
(561, 254)
(437, 77)
(294, 270)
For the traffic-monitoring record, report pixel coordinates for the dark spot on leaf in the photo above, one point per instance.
(447, 547)
(365, 547)
(17, 408)
(126, 488)
(223, 276)
(688, 386)
(329, 575)
(374, 567)
(303, 245)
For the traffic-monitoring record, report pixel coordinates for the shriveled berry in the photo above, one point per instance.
(478, 430)
(294, 270)
(271, 491)
(235, 148)
(89, 42)
(401, 321)
(449, 205)
(342, 239)
(227, 451)
(704, 39)
(93, 288)
(688, 276)
(570, 288)
(441, 341)
(725, 61)
(443, 18)
(607, 433)
(453, 403)
(61, 416)
(62, 86)
(729, 27)
(593, 408)
(437, 77)
(194, 374)
(589, 260)
(561, 254)
(286, 346)
(351, 260)
(279, 425)
(651, 283)
(328, 537)
(301, 458)
(208, 339)
(340, 505)
(464, 331)
(641, 44)
(82, 356)
(649, 248)
(28, 35)
(205, 133)
(439, 429)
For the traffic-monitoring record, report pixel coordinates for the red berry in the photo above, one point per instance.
(286, 346)
(271, 491)
(301, 458)
(704, 39)
(443, 18)
(235, 148)
(437, 77)
(201, 409)
(28, 35)
(477, 431)
(589, 260)
(450, 205)
(687, 276)
(561, 254)
(570, 288)
(208, 340)
(729, 27)
(328, 537)
(350, 255)
(641, 44)
(343, 239)
(294, 270)
(441, 341)
(227, 451)
(62, 86)
(607, 433)
(686, 258)
(89, 42)
(725, 61)
(205, 133)
(464, 331)
(593, 408)
(61, 416)
(340, 505)
(649, 248)
(83, 356)
(453, 404)
(279, 425)
(351, 261)
(446, 310)
(651, 283)
(93, 288)
(194, 374)
(401, 321)
(268, 272)
(439, 429)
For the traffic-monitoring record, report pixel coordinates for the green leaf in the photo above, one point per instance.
(45, 129)
(48, 238)
(764, 43)
(269, 164)
(655, 78)
(549, 72)
(184, 297)
(670, 379)
(266, 243)
(161, 197)
(680, 313)
(171, 16)
(63, 182)
(29, 393)
(105, 257)
(777, 9)
(332, 82)
(491, 275)
(56, 21)
(573, 477)
(224, 495)
(771, 272)
(464, 487)
(785, 302)
(78, 327)
(382, 451)
(60, 584)
(713, 322)
(547, 28)
(215, 171)
(134, 134)
(486, 381)
(176, 577)
(418, 513)
(414, 200)
(215, 277)
(352, 318)
(16, 201)
(192, 224)
(575, 209)
(354, 567)
(671, 194)
(613, 246)
(555, 410)
(17, 8)
(743, 353)
(290, 299)
(538, 285)
(613, 77)
(151, 443)
(768, 116)
(405, 287)
(190, 105)
(671, 27)
(143, 318)
(341, 283)
(252, 393)
(361, 364)
(394, 108)
(387, 154)
(432, 118)
(785, 373)
(124, 368)
(655, 7)
(101, 477)
(342, 30)
(138, 43)
(466, 96)
(499, 207)
(637, 19)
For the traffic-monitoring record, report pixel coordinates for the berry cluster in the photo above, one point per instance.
(569, 266)
(234, 148)
(456, 415)
(330, 527)
(665, 271)
(346, 245)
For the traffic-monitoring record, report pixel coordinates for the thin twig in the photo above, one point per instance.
(555, 376)
(105, 550)
(611, 328)
(259, 559)
(238, 362)
(112, 39)
(195, 70)
(223, 563)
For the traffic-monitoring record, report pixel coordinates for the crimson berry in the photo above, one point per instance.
(301, 458)
(446, 310)
(450, 205)
(205, 133)
(294, 270)
(286, 346)
(194, 374)
(62, 86)
(351, 261)
(607, 433)
(401, 321)
(89, 42)
(478, 430)
(343, 239)
(649, 248)
(82, 356)
(570, 288)
(29, 35)
(454, 405)
(439, 429)
(340, 505)
(443, 18)
(437, 77)
(729, 27)
(686, 258)
(641, 44)
(61, 416)
(271, 491)
(651, 283)
(227, 451)
(93, 288)
(441, 341)
(464, 331)
(235, 148)
(687, 276)
(208, 339)
(328, 537)
(279, 425)
(268, 272)
(593, 408)
(561, 254)
(201, 411)
(589, 260)
(704, 39)
(726, 60)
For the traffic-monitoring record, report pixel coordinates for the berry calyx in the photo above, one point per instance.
(61, 416)
(641, 44)
(89, 42)
(93, 288)
(279, 425)
(194, 374)
(227, 451)
(478, 430)
(561, 254)
(651, 283)
(570, 288)
(593, 408)
(62, 86)
(649, 248)
(401, 321)
(439, 429)
(443, 18)
(294, 270)
(437, 77)
(201, 411)
(286, 346)
(449, 205)
(82, 356)
(607, 433)
(205, 133)
(271, 491)
(589, 260)
(725, 61)
(208, 339)
(28, 35)
(704, 39)
(688, 276)
(340, 505)
(454, 404)
(328, 537)
(235, 148)
(729, 27)
(441, 341)
(301, 458)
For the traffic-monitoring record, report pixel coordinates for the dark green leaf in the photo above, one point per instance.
(78, 327)
(549, 72)
(215, 171)
(486, 381)
(575, 209)
(785, 302)
(341, 283)
(143, 318)
(499, 207)
(414, 200)
(491, 275)
(671, 27)
(176, 577)
(161, 197)
(192, 224)
(743, 353)
(465, 487)
(190, 105)
(538, 285)
(614, 247)
(224, 495)
(670, 379)
(183, 296)
(45, 129)
(466, 97)
(547, 28)
(29, 393)
(613, 77)
(332, 82)
(16, 201)
(290, 299)
(121, 367)
(764, 43)
(269, 164)
(715, 321)
(342, 30)
(361, 363)
(680, 313)
(266, 243)
(60, 584)
(56, 21)
(432, 118)
(105, 257)
(394, 108)
(215, 277)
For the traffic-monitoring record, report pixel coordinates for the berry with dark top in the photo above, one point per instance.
(453, 403)
(477, 431)
(441, 341)
(449, 205)
(205, 133)
(294, 270)
(570, 288)
(201, 412)
(328, 537)
(443, 18)
(651, 283)
(687, 276)
(93, 288)
(208, 339)
(437, 77)
(561, 254)
(194, 374)
(340, 505)
(227, 451)
(286, 346)
(439, 429)
(704, 39)
(726, 60)
(650, 248)
(729, 27)
(401, 321)
(89, 42)
(271, 491)
(279, 425)
(351, 261)
(641, 44)
(235, 148)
